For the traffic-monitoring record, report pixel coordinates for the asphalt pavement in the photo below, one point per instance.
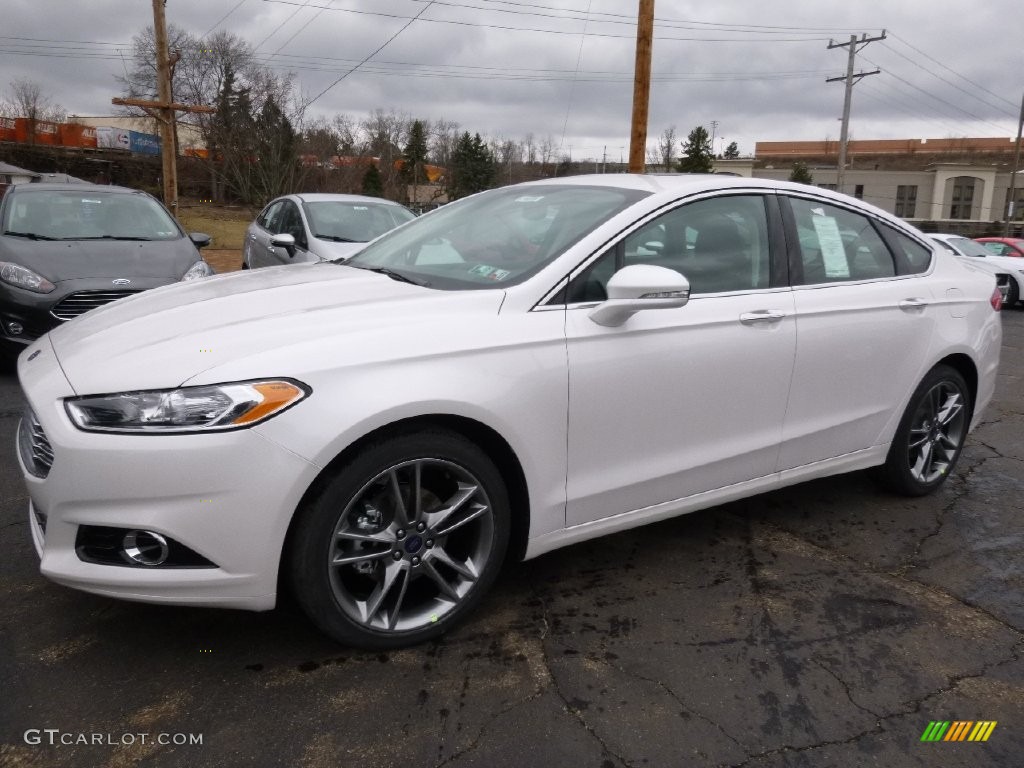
(823, 625)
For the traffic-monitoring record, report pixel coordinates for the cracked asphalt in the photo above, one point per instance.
(821, 625)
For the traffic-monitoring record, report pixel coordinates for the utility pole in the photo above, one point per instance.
(714, 129)
(163, 110)
(850, 78)
(1011, 207)
(641, 86)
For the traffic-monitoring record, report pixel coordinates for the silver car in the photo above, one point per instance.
(318, 227)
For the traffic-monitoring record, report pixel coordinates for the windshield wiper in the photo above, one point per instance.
(393, 275)
(111, 237)
(336, 239)
(30, 235)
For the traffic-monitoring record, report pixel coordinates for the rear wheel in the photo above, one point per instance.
(931, 434)
(402, 542)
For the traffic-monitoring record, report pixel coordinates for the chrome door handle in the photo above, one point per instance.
(761, 316)
(913, 303)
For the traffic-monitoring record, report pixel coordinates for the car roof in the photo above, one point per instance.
(88, 189)
(327, 197)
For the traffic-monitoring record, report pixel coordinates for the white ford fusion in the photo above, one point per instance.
(521, 370)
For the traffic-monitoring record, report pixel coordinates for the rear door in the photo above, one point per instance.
(865, 316)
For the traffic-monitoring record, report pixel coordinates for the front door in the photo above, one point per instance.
(676, 402)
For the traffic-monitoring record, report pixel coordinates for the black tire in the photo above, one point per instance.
(398, 555)
(931, 434)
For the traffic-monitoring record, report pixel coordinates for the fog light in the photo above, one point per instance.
(14, 328)
(145, 548)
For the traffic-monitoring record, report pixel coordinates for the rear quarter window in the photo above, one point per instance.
(912, 257)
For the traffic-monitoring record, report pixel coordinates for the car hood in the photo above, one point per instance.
(164, 337)
(58, 260)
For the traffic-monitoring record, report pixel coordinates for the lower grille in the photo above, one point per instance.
(79, 303)
(35, 448)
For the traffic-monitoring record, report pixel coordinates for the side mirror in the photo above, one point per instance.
(284, 240)
(638, 287)
(199, 239)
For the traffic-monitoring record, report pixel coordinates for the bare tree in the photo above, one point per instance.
(667, 148)
(444, 135)
(28, 100)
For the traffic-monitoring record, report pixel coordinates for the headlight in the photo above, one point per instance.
(213, 408)
(197, 270)
(15, 274)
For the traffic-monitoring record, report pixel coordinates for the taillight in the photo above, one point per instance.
(997, 299)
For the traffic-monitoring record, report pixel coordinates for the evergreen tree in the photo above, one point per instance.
(472, 167)
(732, 152)
(801, 173)
(373, 184)
(696, 152)
(415, 155)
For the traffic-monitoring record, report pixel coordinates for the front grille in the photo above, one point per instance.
(36, 451)
(79, 303)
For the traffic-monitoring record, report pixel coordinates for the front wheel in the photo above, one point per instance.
(931, 434)
(402, 542)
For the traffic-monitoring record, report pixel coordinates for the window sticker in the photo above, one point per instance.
(831, 244)
(529, 199)
(490, 273)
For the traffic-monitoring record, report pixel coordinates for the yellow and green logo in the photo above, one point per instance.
(958, 730)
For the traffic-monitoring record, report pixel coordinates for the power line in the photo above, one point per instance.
(949, 83)
(223, 18)
(507, 28)
(378, 50)
(572, 88)
(962, 77)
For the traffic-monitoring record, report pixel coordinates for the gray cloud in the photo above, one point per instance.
(919, 93)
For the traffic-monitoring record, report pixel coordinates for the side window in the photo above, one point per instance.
(719, 244)
(837, 245)
(997, 248)
(913, 257)
(266, 218)
(291, 224)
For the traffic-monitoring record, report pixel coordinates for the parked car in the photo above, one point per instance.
(68, 248)
(383, 433)
(1009, 271)
(295, 229)
(1003, 246)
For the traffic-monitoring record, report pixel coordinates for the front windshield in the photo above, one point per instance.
(87, 215)
(353, 222)
(497, 238)
(970, 247)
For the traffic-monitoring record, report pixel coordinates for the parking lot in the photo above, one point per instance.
(822, 625)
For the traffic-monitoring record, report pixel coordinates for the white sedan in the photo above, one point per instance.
(1009, 270)
(518, 371)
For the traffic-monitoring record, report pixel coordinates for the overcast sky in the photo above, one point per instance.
(563, 68)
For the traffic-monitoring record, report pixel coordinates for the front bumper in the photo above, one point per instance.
(228, 496)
